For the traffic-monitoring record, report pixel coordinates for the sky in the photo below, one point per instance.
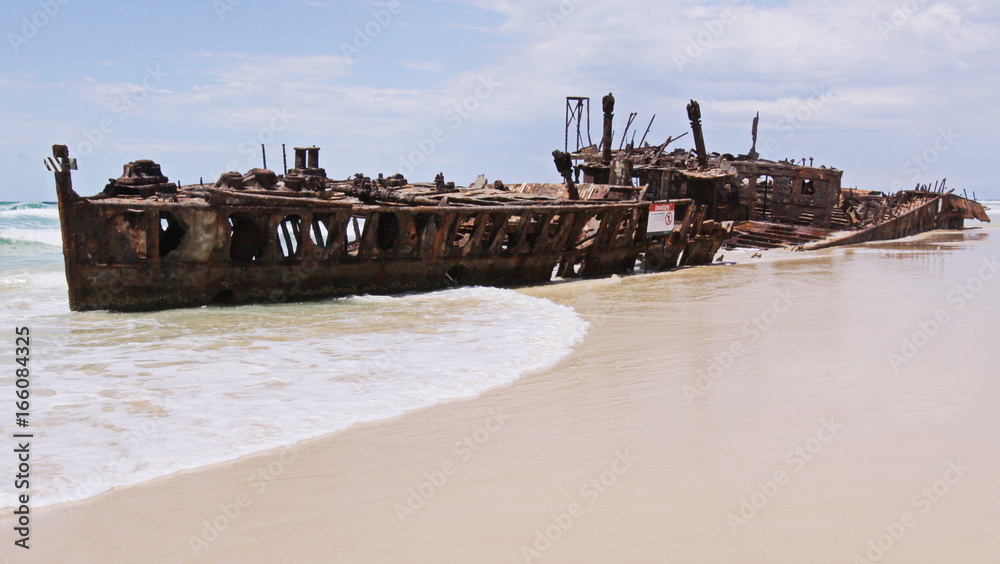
(893, 92)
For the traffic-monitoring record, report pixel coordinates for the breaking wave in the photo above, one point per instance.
(132, 397)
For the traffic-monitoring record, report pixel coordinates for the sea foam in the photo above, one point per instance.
(124, 398)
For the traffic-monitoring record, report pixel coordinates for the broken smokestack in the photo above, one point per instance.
(694, 114)
(609, 116)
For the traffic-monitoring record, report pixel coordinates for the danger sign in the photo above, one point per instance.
(661, 219)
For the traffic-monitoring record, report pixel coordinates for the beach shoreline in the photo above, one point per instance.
(628, 449)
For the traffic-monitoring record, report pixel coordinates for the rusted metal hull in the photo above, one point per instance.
(768, 235)
(130, 261)
(145, 244)
(139, 288)
(946, 211)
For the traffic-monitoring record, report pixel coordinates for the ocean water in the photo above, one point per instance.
(123, 398)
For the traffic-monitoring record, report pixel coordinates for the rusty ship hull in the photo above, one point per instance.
(145, 244)
(120, 276)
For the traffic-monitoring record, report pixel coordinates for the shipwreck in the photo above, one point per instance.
(145, 243)
(771, 203)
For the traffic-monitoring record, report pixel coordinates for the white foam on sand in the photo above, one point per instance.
(124, 398)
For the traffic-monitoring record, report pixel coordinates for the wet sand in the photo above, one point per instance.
(750, 413)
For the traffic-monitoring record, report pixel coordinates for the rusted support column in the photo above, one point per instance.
(620, 173)
(609, 116)
(753, 154)
(694, 114)
(151, 217)
(366, 243)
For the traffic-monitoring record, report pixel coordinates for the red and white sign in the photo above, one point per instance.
(661, 219)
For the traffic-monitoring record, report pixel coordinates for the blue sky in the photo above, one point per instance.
(894, 92)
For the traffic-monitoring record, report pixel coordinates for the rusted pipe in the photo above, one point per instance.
(609, 116)
(694, 114)
(564, 164)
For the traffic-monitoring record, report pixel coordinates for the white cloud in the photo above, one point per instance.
(430, 66)
(104, 94)
(18, 81)
(634, 47)
(256, 68)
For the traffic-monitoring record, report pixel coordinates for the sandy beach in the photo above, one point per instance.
(716, 415)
